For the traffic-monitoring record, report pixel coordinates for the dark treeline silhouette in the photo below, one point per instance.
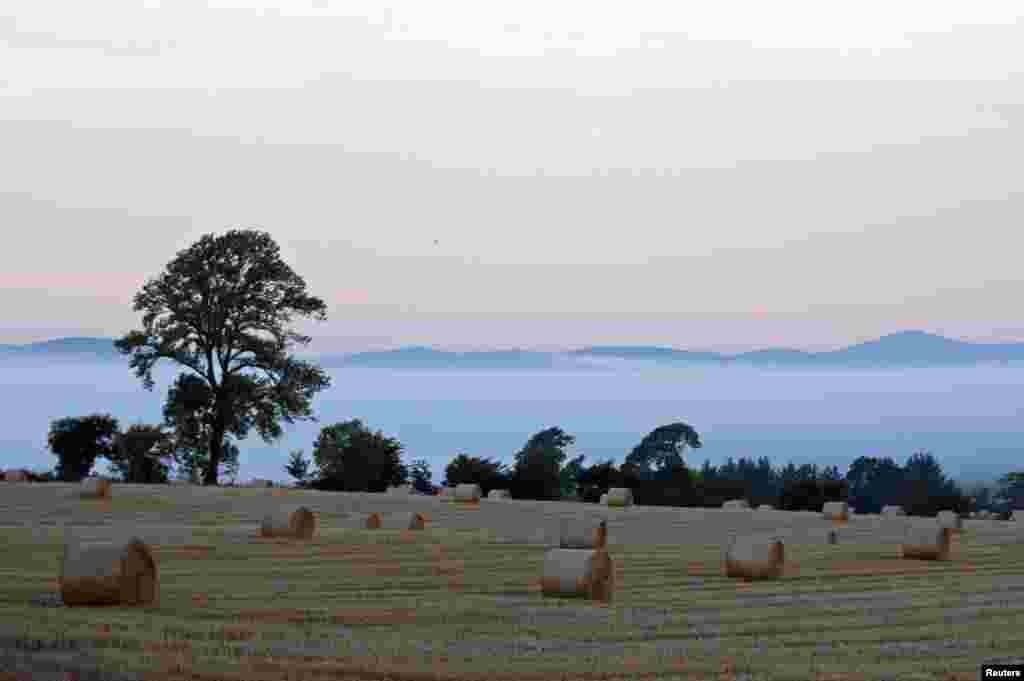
(349, 456)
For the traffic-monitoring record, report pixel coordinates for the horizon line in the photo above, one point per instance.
(564, 349)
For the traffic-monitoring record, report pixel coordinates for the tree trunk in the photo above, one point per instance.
(216, 452)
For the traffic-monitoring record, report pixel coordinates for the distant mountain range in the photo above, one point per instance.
(904, 349)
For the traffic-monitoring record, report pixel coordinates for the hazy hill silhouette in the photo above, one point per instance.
(906, 348)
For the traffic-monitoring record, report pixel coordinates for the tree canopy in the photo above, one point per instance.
(352, 458)
(77, 441)
(662, 448)
(298, 467)
(221, 309)
(538, 464)
(142, 453)
(471, 469)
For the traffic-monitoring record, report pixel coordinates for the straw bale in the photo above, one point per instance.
(108, 573)
(619, 496)
(299, 524)
(361, 521)
(469, 492)
(498, 494)
(96, 488)
(736, 505)
(583, 533)
(755, 557)
(926, 542)
(892, 511)
(837, 511)
(950, 519)
(404, 521)
(582, 573)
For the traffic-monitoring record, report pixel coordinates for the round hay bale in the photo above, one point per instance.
(736, 505)
(755, 557)
(299, 524)
(950, 519)
(619, 497)
(108, 573)
(583, 533)
(765, 507)
(468, 493)
(416, 521)
(581, 573)
(498, 494)
(405, 521)
(604, 499)
(361, 521)
(96, 488)
(926, 543)
(836, 511)
(892, 511)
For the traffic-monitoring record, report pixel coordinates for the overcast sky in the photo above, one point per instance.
(721, 176)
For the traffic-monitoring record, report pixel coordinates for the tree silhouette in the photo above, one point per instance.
(77, 441)
(298, 467)
(662, 448)
(351, 458)
(463, 469)
(219, 308)
(141, 454)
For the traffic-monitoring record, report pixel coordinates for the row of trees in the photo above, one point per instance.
(348, 456)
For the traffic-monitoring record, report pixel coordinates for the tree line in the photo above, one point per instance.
(348, 456)
(221, 309)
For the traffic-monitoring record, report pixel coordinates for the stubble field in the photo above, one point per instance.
(461, 599)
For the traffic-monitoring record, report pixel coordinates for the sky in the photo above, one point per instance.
(723, 176)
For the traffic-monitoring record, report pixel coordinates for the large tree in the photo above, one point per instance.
(221, 309)
(662, 448)
(77, 441)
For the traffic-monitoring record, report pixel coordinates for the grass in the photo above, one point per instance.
(354, 600)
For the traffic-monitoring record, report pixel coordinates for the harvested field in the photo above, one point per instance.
(462, 598)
